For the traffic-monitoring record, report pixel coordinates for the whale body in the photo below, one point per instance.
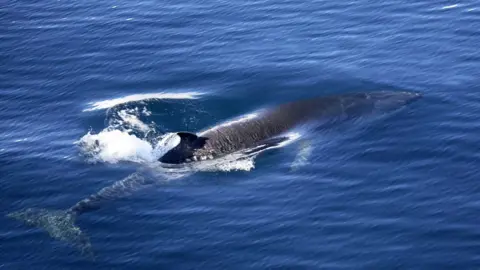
(267, 127)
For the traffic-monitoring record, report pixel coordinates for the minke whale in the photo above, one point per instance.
(253, 134)
(267, 128)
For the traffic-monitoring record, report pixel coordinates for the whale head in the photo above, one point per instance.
(181, 147)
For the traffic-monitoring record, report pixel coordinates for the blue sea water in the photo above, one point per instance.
(400, 191)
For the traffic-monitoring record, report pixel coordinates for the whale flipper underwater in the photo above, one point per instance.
(251, 135)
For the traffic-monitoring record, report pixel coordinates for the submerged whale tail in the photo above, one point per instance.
(60, 224)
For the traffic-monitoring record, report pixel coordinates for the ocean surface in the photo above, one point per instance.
(86, 87)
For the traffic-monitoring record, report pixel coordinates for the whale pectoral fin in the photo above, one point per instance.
(275, 141)
(266, 144)
(303, 155)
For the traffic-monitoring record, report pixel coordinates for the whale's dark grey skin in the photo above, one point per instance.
(266, 126)
(263, 130)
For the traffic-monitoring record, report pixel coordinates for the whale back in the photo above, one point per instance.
(272, 122)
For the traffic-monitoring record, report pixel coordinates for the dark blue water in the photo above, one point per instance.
(400, 191)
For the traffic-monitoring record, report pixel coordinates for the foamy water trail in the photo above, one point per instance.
(109, 103)
(232, 162)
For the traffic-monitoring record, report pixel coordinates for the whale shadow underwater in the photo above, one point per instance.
(250, 135)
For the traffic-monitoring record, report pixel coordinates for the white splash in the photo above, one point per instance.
(133, 121)
(118, 142)
(105, 104)
(130, 118)
(112, 146)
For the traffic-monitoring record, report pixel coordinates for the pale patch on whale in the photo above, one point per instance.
(242, 118)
